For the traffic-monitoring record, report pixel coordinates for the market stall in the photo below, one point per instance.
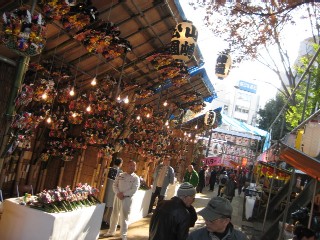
(140, 205)
(253, 196)
(22, 222)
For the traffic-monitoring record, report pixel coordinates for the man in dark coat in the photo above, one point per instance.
(173, 218)
(230, 187)
(213, 179)
(202, 179)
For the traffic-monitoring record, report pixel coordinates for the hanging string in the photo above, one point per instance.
(49, 75)
(36, 73)
(77, 68)
(96, 73)
(54, 54)
(110, 11)
(94, 80)
(62, 63)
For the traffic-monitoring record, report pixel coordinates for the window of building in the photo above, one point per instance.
(244, 96)
(241, 109)
(225, 108)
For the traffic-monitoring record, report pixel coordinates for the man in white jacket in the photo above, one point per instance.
(125, 186)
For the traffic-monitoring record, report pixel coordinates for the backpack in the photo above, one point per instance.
(223, 180)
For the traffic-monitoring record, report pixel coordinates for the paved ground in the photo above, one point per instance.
(139, 230)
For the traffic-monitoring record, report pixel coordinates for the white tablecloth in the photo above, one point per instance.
(172, 190)
(109, 193)
(140, 205)
(250, 201)
(20, 222)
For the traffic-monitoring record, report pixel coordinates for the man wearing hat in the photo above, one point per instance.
(172, 218)
(217, 216)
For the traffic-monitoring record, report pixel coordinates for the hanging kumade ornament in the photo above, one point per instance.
(23, 33)
(183, 41)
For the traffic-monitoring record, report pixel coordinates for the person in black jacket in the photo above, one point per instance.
(173, 218)
(202, 179)
(113, 172)
(213, 179)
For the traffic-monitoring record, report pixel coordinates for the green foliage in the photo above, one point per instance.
(295, 113)
(269, 113)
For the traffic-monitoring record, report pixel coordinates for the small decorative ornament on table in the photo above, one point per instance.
(64, 199)
(23, 33)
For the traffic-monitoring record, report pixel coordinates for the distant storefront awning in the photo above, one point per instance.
(301, 161)
(243, 127)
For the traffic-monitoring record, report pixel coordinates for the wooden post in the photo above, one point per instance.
(104, 176)
(44, 175)
(96, 176)
(76, 172)
(18, 171)
(80, 168)
(93, 177)
(61, 176)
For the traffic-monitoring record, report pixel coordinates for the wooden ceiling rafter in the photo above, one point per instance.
(119, 24)
(187, 88)
(150, 34)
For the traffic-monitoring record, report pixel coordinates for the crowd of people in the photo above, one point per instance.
(171, 219)
(228, 180)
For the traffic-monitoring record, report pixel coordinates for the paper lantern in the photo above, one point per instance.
(217, 149)
(209, 118)
(183, 41)
(223, 65)
(244, 162)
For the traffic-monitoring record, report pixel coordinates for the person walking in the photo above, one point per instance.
(113, 172)
(207, 175)
(217, 215)
(202, 179)
(172, 218)
(163, 176)
(222, 182)
(213, 179)
(241, 180)
(191, 176)
(124, 187)
(230, 187)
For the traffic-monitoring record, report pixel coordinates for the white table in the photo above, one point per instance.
(20, 222)
(140, 205)
(172, 190)
(250, 201)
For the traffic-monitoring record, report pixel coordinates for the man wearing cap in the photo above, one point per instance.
(217, 216)
(172, 218)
